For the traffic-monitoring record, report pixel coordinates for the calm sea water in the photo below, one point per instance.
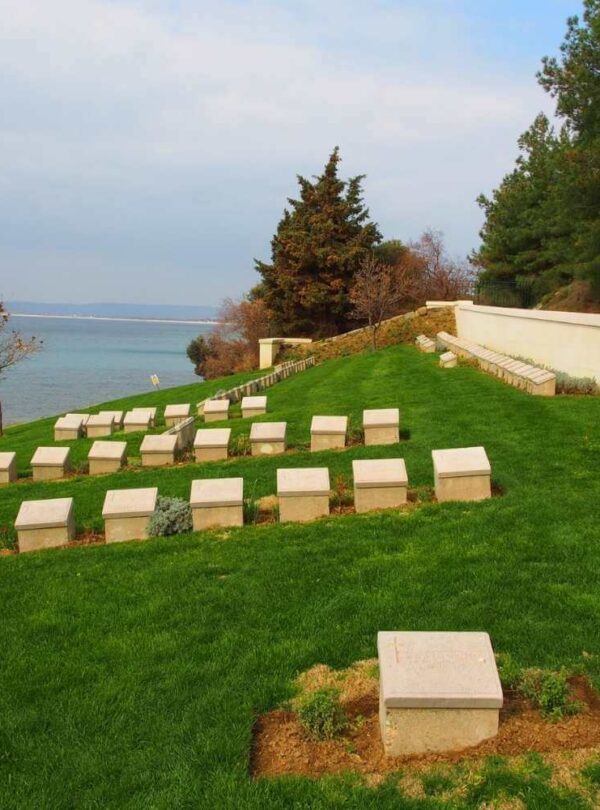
(88, 361)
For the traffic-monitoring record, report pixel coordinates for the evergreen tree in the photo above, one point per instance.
(320, 243)
(542, 224)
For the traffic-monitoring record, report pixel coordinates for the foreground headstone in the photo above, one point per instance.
(381, 426)
(328, 432)
(45, 524)
(99, 424)
(379, 484)
(212, 444)
(158, 450)
(462, 474)
(254, 406)
(50, 463)
(127, 512)
(303, 493)
(216, 410)
(136, 421)
(176, 413)
(268, 438)
(438, 691)
(448, 360)
(107, 457)
(8, 467)
(69, 427)
(217, 502)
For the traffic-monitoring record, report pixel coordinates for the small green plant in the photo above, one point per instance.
(172, 516)
(436, 782)
(565, 384)
(592, 772)
(251, 510)
(508, 670)
(342, 494)
(321, 714)
(546, 689)
(549, 691)
(240, 446)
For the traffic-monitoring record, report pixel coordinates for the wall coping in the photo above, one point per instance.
(281, 340)
(580, 318)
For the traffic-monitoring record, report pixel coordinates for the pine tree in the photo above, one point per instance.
(320, 243)
(542, 225)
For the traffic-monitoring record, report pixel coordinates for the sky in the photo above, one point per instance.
(147, 147)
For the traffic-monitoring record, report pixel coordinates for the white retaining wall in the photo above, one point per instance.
(565, 341)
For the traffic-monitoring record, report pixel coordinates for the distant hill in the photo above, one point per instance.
(107, 310)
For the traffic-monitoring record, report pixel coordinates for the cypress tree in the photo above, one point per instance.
(319, 245)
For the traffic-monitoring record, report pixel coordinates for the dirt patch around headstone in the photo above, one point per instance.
(282, 747)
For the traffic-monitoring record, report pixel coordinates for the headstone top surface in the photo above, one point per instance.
(268, 431)
(215, 437)
(159, 443)
(254, 402)
(217, 492)
(380, 472)
(50, 456)
(129, 502)
(303, 481)
(461, 461)
(329, 424)
(438, 670)
(216, 406)
(6, 459)
(381, 417)
(46, 514)
(100, 420)
(108, 450)
(179, 409)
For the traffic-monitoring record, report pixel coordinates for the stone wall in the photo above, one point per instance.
(280, 372)
(564, 341)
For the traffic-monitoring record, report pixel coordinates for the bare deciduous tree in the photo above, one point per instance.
(13, 348)
(375, 294)
(444, 278)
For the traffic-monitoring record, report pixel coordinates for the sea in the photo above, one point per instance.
(85, 361)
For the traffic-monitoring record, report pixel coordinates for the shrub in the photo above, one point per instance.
(566, 384)
(321, 714)
(549, 691)
(172, 516)
(240, 446)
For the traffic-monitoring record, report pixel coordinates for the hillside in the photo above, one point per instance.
(132, 675)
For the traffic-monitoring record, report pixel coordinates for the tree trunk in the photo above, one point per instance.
(1, 427)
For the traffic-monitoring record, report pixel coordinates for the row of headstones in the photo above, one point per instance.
(74, 425)
(460, 474)
(380, 425)
(534, 380)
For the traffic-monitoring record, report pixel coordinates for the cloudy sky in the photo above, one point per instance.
(148, 146)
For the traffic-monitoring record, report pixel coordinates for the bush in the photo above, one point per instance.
(549, 691)
(240, 446)
(566, 384)
(321, 714)
(172, 516)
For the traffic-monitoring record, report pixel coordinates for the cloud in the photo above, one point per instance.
(168, 134)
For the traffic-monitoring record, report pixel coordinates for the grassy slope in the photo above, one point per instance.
(130, 675)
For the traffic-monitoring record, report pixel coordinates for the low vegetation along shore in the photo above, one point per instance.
(153, 674)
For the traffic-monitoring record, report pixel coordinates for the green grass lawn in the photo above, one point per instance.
(131, 675)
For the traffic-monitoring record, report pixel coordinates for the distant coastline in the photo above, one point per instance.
(190, 321)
